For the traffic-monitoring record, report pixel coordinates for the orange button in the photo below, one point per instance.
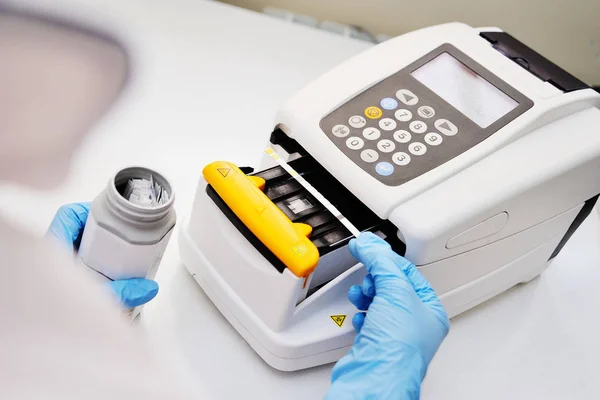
(373, 112)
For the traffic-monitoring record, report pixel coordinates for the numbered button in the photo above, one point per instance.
(387, 124)
(426, 111)
(433, 139)
(357, 121)
(418, 126)
(371, 133)
(446, 127)
(386, 146)
(407, 97)
(403, 115)
(401, 158)
(416, 148)
(355, 143)
(369, 155)
(402, 136)
(384, 168)
(340, 130)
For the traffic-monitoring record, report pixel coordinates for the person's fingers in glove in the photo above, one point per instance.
(422, 287)
(381, 261)
(398, 335)
(377, 255)
(134, 292)
(368, 286)
(361, 297)
(358, 321)
(396, 279)
(68, 223)
(68, 226)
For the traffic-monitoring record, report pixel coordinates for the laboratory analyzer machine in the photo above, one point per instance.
(470, 153)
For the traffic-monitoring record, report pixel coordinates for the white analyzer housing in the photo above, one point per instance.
(473, 155)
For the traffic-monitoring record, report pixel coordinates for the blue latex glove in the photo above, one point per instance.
(67, 226)
(399, 334)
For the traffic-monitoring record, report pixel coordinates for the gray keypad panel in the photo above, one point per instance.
(399, 129)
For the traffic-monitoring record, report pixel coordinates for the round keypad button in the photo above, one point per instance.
(386, 146)
(446, 127)
(388, 103)
(340, 130)
(417, 148)
(373, 112)
(402, 136)
(401, 158)
(357, 121)
(433, 139)
(371, 133)
(418, 126)
(369, 155)
(387, 124)
(407, 97)
(426, 112)
(355, 143)
(403, 115)
(384, 168)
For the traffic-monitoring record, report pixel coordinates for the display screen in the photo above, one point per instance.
(468, 92)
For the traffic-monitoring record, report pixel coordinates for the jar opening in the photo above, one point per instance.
(143, 187)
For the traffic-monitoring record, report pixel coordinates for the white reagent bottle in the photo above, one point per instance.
(123, 239)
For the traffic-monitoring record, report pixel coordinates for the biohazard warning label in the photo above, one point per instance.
(338, 319)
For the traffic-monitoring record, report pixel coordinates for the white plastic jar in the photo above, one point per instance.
(123, 239)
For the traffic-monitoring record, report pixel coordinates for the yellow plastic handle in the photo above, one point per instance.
(243, 194)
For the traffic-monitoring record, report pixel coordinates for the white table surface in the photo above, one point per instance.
(208, 79)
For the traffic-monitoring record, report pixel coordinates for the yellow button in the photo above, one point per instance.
(373, 112)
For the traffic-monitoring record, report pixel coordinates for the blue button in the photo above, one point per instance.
(384, 168)
(388, 103)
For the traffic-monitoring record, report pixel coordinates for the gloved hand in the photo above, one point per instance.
(67, 226)
(399, 334)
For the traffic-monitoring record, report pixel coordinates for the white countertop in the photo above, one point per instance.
(207, 83)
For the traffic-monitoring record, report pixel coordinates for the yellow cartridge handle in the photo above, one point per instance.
(243, 194)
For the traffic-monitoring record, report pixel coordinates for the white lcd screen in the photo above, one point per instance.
(469, 93)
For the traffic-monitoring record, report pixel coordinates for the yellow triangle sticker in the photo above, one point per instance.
(224, 171)
(300, 249)
(338, 319)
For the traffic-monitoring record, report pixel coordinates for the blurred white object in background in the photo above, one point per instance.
(355, 32)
